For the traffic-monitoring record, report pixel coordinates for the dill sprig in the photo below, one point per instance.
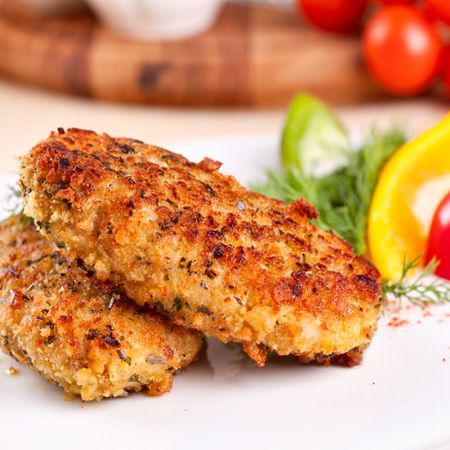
(14, 201)
(15, 206)
(418, 291)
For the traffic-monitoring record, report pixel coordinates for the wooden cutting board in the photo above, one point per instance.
(255, 56)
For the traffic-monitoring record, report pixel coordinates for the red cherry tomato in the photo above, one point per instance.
(339, 16)
(439, 239)
(402, 49)
(440, 9)
(445, 68)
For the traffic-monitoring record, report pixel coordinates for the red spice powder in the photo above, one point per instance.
(397, 322)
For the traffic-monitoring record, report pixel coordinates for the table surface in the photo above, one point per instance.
(28, 115)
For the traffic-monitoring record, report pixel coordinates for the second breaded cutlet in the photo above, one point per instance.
(75, 331)
(198, 246)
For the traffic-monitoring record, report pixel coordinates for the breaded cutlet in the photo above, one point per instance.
(75, 330)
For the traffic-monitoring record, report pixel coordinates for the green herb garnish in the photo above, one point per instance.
(14, 199)
(417, 290)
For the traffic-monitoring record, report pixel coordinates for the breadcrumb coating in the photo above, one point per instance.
(75, 330)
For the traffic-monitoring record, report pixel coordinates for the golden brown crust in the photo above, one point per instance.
(198, 246)
(75, 330)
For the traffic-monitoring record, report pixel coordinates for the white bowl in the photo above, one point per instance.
(157, 19)
(53, 6)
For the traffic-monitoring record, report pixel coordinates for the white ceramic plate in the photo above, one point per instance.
(399, 398)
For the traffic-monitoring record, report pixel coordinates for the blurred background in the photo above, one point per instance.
(164, 71)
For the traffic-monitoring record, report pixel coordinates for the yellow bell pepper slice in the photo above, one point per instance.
(394, 232)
